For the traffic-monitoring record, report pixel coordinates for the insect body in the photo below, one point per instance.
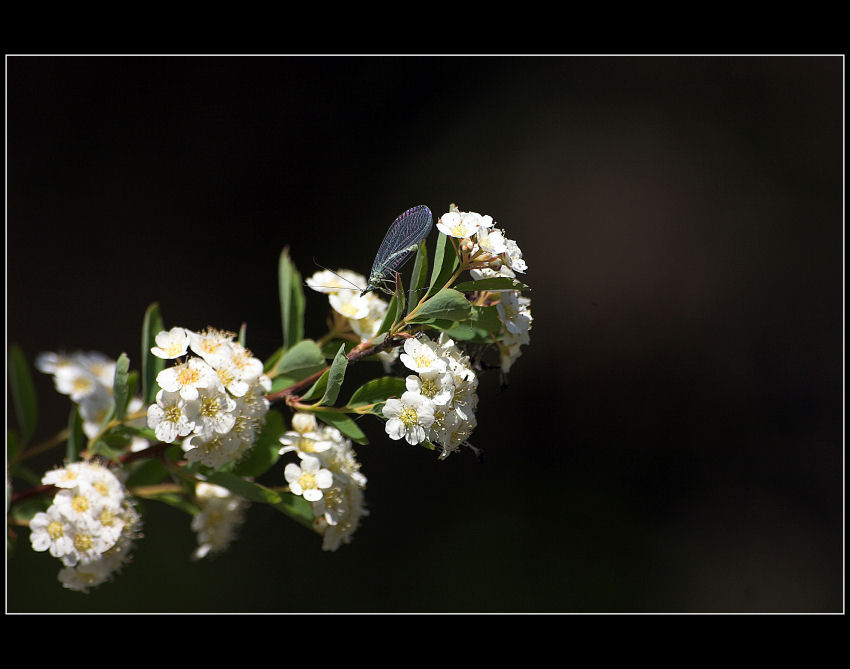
(401, 241)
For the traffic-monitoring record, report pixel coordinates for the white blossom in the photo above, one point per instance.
(308, 479)
(168, 417)
(171, 344)
(420, 356)
(188, 378)
(408, 417)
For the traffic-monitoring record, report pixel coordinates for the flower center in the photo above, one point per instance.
(187, 376)
(82, 542)
(307, 481)
(408, 416)
(101, 487)
(54, 530)
(172, 414)
(80, 504)
(429, 387)
(422, 360)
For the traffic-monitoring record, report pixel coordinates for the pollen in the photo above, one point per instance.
(101, 487)
(429, 387)
(422, 361)
(172, 414)
(80, 504)
(54, 530)
(107, 518)
(82, 384)
(83, 542)
(187, 376)
(307, 481)
(409, 417)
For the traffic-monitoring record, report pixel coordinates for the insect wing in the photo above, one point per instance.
(401, 240)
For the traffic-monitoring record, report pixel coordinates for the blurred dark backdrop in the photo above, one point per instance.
(671, 440)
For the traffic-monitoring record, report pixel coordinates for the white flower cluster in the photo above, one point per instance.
(364, 313)
(503, 257)
(90, 526)
(220, 516)
(328, 477)
(441, 399)
(87, 378)
(215, 401)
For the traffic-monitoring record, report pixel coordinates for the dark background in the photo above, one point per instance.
(671, 440)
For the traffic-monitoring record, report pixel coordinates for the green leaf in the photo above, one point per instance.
(447, 304)
(102, 448)
(24, 510)
(271, 363)
(419, 275)
(120, 386)
(336, 375)
(391, 315)
(445, 262)
(247, 489)
(13, 445)
(76, 437)
(302, 360)
(317, 390)
(305, 354)
(491, 283)
(291, 300)
(297, 508)
(377, 390)
(151, 364)
(266, 449)
(242, 334)
(329, 348)
(23, 394)
(344, 424)
(146, 472)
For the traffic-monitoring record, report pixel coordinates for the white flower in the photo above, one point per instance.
(514, 311)
(168, 417)
(303, 422)
(491, 241)
(221, 514)
(459, 224)
(188, 378)
(509, 349)
(408, 417)
(49, 530)
(78, 504)
(350, 304)
(76, 381)
(420, 356)
(94, 408)
(215, 452)
(329, 282)
(69, 476)
(212, 413)
(367, 326)
(304, 444)
(171, 344)
(212, 345)
(436, 386)
(308, 479)
(50, 362)
(513, 257)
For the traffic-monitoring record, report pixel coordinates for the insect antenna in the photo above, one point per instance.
(354, 286)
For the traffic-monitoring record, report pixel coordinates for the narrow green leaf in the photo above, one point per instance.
(178, 501)
(292, 300)
(447, 304)
(377, 390)
(151, 365)
(271, 363)
(76, 437)
(445, 262)
(317, 390)
(419, 275)
(120, 386)
(247, 489)
(491, 283)
(336, 375)
(297, 508)
(242, 334)
(391, 315)
(23, 394)
(344, 424)
(266, 449)
(329, 348)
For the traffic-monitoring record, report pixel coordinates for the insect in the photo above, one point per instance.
(400, 242)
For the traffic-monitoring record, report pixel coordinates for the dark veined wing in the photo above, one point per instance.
(401, 239)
